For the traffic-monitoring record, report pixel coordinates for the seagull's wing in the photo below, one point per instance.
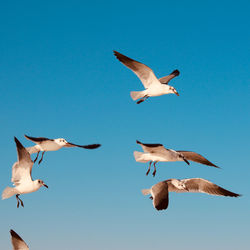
(199, 185)
(21, 170)
(160, 195)
(91, 146)
(166, 79)
(152, 148)
(37, 139)
(17, 242)
(192, 156)
(145, 73)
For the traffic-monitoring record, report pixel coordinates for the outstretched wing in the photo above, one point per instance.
(199, 185)
(145, 74)
(37, 139)
(91, 146)
(152, 148)
(192, 156)
(17, 242)
(166, 79)
(21, 169)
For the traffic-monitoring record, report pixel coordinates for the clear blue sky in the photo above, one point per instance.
(59, 78)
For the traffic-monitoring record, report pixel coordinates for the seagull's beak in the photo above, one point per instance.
(176, 92)
(45, 185)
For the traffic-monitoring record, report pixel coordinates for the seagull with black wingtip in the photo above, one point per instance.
(159, 192)
(21, 176)
(46, 144)
(158, 153)
(153, 85)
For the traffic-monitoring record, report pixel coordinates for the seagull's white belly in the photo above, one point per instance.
(152, 157)
(167, 156)
(25, 188)
(156, 90)
(50, 146)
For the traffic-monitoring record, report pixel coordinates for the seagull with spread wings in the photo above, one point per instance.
(21, 176)
(17, 242)
(153, 85)
(45, 144)
(157, 152)
(159, 192)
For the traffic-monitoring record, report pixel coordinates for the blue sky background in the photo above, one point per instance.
(59, 78)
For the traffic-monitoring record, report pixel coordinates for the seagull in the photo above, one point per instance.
(157, 152)
(21, 176)
(153, 85)
(17, 242)
(45, 144)
(159, 192)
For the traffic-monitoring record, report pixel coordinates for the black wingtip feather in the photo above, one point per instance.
(92, 146)
(18, 143)
(176, 72)
(15, 235)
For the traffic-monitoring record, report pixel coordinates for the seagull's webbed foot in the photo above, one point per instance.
(149, 167)
(154, 169)
(151, 198)
(36, 156)
(41, 158)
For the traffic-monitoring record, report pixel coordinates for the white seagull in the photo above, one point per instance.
(159, 192)
(45, 144)
(21, 176)
(157, 152)
(17, 242)
(153, 85)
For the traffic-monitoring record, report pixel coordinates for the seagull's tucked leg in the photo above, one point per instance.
(143, 99)
(21, 202)
(18, 199)
(37, 156)
(149, 167)
(154, 168)
(41, 158)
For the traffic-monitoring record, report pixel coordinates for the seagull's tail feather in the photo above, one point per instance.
(145, 191)
(8, 192)
(139, 156)
(136, 94)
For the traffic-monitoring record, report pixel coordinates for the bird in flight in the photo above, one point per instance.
(153, 85)
(157, 152)
(21, 176)
(17, 242)
(159, 192)
(44, 144)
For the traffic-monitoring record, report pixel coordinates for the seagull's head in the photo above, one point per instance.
(60, 141)
(172, 90)
(40, 183)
